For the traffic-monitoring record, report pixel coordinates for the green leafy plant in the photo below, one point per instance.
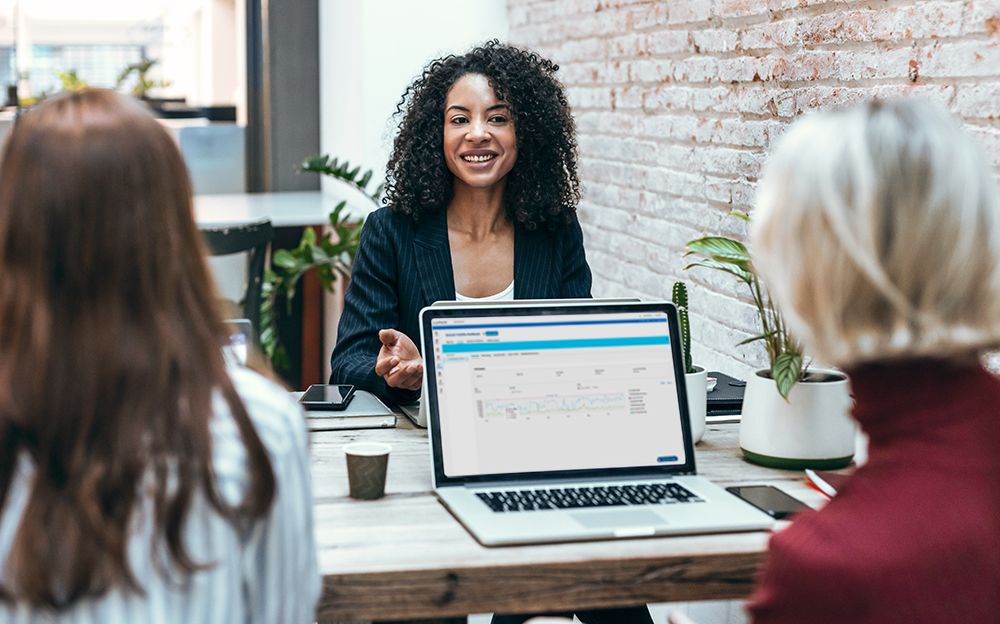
(71, 81)
(784, 352)
(680, 299)
(331, 254)
(143, 84)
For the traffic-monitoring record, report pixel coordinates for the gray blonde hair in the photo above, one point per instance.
(877, 231)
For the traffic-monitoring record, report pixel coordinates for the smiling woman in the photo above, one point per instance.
(482, 192)
(542, 189)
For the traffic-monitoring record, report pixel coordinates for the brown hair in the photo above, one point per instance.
(109, 356)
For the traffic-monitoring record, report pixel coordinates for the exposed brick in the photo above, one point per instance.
(989, 140)
(983, 17)
(964, 59)
(689, 11)
(677, 103)
(779, 34)
(715, 40)
(669, 42)
(650, 15)
(979, 100)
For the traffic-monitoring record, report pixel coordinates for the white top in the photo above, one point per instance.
(507, 294)
(264, 572)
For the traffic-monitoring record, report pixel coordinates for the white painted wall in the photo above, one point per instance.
(370, 51)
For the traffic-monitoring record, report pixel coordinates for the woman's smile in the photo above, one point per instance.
(479, 159)
(480, 144)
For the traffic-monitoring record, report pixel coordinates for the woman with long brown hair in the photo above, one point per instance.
(141, 479)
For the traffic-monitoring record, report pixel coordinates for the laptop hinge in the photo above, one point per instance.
(533, 482)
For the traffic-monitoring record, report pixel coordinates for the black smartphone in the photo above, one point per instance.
(327, 396)
(769, 499)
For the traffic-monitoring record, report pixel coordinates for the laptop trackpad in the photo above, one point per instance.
(619, 519)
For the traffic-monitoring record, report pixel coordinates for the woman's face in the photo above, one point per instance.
(480, 145)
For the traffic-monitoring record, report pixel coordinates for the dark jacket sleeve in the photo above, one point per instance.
(576, 277)
(371, 304)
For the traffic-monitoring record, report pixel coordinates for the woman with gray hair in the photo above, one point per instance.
(877, 231)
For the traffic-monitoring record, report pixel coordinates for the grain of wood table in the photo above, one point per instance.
(404, 557)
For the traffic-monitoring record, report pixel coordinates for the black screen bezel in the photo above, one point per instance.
(427, 317)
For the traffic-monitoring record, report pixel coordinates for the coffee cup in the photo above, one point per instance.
(366, 467)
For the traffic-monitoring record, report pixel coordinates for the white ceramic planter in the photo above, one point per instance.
(696, 384)
(813, 429)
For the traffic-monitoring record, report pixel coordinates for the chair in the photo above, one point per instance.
(252, 239)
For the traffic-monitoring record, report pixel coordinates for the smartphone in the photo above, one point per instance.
(327, 396)
(769, 499)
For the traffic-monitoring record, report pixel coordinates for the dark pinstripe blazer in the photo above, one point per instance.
(402, 267)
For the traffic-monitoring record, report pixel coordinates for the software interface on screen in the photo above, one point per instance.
(567, 392)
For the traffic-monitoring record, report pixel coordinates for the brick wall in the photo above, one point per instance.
(678, 102)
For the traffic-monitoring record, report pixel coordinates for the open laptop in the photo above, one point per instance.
(417, 412)
(554, 423)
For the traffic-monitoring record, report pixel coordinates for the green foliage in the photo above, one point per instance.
(331, 254)
(784, 352)
(71, 81)
(342, 171)
(680, 299)
(143, 85)
(787, 370)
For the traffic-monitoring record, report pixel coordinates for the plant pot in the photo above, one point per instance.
(696, 384)
(812, 429)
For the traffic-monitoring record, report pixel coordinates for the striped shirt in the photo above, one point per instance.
(265, 572)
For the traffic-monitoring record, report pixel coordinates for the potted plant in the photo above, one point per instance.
(695, 377)
(794, 416)
(331, 254)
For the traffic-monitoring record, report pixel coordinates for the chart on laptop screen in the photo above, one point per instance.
(569, 392)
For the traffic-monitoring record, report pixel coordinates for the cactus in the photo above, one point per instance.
(680, 299)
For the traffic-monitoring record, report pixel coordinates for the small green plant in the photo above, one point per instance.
(784, 352)
(680, 299)
(331, 254)
(143, 84)
(71, 81)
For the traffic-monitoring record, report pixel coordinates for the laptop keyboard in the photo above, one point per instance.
(576, 498)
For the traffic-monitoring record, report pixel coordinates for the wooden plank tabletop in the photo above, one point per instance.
(405, 556)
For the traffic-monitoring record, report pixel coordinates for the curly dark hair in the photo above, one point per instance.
(542, 188)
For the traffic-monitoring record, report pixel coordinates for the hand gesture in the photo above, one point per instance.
(399, 361)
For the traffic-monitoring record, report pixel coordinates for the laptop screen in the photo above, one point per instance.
(564, 391)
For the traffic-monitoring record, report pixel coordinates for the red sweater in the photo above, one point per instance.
(914, 535)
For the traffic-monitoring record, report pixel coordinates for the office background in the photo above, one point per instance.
(677, 103)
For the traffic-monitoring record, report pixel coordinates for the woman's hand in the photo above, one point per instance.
(399, 361)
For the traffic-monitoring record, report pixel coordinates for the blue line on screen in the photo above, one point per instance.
(539, 345)
(437, 326)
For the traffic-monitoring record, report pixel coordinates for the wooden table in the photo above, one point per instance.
(404, 557)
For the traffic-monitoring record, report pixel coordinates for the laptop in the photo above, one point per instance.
(417, 412)
(552, 423)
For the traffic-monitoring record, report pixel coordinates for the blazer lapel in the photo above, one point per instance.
(433, 257)
(533, 264)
